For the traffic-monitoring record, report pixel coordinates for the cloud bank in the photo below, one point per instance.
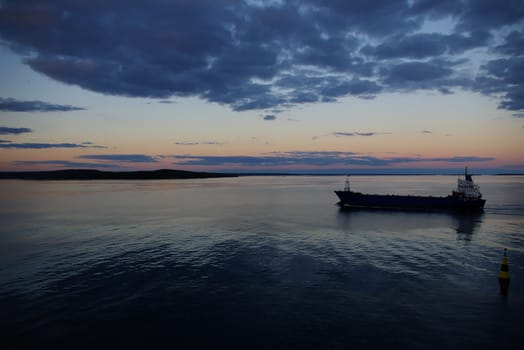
(12, 105)
(269, 54)
(36, 145)
(62, 163)
(105, 161)
(315, 159)
(327, 160)
(4, 130)
(125, 158)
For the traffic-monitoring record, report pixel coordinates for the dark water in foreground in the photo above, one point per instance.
(256, 262)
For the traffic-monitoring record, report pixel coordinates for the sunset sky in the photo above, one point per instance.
(305, 86)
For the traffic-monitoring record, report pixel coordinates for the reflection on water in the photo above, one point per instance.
(467, 224)
(398, 220)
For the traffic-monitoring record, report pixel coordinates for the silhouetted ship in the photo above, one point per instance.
(466, 197)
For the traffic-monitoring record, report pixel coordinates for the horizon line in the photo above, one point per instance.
(350, 172)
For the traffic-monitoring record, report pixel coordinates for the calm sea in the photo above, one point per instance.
(256, 262)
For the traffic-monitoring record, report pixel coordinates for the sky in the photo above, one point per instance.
(262, 86)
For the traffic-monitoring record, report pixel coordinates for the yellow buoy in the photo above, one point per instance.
(504, 275)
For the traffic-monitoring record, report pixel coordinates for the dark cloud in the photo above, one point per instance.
(437, 9)
(262, 55)
(509, 71)
(125, 158)
(513, 99)
(373, 18)
(13, 131)
(269, 117)
(427, 132)
(314, 159)
(415, 72)
(490, 14)
(513, 45)
(504, 77)
(441, 75)
(35, 145)
(357, 87)
(12, 105)
(424, 45)
(325, 88)
(5, 141)
(472, 14)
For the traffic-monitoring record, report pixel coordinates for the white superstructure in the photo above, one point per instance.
(466, 188)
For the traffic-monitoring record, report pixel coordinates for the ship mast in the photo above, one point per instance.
(346, 184)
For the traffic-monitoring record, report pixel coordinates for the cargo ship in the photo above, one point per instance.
(466, 197)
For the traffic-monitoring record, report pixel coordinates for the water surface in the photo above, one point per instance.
(256, 262)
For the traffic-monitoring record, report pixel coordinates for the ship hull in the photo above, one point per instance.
(449, 203)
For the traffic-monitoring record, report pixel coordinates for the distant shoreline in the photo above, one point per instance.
(168, 174)
(84, 174)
